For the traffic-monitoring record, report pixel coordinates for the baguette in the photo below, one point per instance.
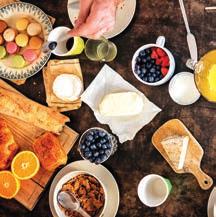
(15, 105)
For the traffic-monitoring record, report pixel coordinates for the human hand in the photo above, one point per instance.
(95, 18)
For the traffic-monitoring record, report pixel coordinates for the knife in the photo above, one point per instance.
(192, 45)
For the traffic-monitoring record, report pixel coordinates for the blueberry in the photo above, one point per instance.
(138, 59)
(93, 147)
(96, 154)
(138, 72)
(151, 79)
(152, 70)
(148, 65)
(158, 67)
(157, 79)
(144, 70)
(88, 143)
(88, 155)
(145, 79)
(102, 134)
(83, 147)
(148, 51)
(87, 149)
(109, 145)
(158, 72)
(103, 141)
(142, 53)
(148, 59)
(107, 152)
(99, 145)
(154, 75)
(152, 61)
(91, 133)
(144, 60)
(98, 160)
(101, 151)
(104, 146)
(90, 138)
(103, 158)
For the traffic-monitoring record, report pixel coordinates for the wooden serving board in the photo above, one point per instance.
(24, 135)
(194, 153)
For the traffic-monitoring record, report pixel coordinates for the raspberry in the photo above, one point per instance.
(164, 71)
(161, 53)
(158, 61)
(154, 55)
(165, 61)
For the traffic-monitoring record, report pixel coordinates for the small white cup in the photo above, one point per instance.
(59, 34)
(153, 190)
(160, 44)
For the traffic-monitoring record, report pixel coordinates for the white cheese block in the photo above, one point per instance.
(176, 148)
(67, 87)
(121, 104)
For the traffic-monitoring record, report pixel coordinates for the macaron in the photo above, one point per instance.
(9, 34)
(1, 40)
(21, 24)
(11, 47)
(17, 61)
(34, 29)
(3, 26)
(22, 39)
(2, 52)
(29, 55)
(35, 42)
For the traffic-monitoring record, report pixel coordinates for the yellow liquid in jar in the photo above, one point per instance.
(205, 76)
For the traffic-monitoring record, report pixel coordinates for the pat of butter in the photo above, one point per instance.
(121, 104)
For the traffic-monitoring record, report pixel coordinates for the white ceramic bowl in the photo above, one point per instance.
(65, 179)
(160, 44)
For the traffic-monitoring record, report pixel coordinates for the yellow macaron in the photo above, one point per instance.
(21, 24)
(22, 40)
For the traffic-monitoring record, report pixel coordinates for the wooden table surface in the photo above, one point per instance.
(137, 158)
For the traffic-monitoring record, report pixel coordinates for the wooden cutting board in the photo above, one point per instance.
(24, 135)
(194, 152)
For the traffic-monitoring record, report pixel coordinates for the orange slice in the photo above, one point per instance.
(25, 165)
(9, 185)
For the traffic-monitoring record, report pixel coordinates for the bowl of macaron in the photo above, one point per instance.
(97, 145)
(153, 64)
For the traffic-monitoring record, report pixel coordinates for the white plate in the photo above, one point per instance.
(98, 171)
(125, 13)
(211, 202)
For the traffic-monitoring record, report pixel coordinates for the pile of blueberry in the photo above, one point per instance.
(95, 145)
(152, 64)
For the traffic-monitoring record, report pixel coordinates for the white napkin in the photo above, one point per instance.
(108, 81)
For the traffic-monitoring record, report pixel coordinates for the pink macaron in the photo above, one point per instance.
(29, 55)
(12, 47)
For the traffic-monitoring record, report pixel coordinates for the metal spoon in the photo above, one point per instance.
(69, 202)
(190, 37)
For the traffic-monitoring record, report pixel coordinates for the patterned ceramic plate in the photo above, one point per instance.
(10, 13)
(124, 15)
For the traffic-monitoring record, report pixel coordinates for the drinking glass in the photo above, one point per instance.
(100, 50)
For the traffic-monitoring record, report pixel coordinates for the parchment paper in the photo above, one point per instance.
(108, 81)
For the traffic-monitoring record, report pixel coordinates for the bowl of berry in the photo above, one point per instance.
(153, 64)
(97, 145)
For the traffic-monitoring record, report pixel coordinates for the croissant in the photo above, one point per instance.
(8, 147)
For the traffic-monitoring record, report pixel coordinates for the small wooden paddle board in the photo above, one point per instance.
(194, 152)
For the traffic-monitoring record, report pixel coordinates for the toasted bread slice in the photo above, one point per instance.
(49, 151)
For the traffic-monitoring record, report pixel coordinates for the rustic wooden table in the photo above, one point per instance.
(137, 158)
